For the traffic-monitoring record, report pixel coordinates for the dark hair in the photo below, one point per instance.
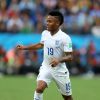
(57, 14)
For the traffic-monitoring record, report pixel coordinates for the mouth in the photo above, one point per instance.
(47, 28)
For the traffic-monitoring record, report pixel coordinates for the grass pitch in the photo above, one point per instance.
(22, 88)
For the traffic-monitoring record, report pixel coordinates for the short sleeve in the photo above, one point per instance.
(42, 37)
(67, 43)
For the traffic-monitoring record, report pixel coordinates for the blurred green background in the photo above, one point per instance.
(22, 88)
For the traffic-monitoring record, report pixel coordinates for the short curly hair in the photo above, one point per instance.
(57, 14)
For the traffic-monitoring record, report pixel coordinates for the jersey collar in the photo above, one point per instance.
(56, 33)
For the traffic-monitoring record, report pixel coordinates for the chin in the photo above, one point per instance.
(48, 29)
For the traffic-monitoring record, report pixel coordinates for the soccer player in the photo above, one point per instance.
(57, 50)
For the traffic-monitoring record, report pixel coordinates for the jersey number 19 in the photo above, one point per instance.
(50, 51)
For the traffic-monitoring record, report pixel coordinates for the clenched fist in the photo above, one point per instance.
(19, 47)
(54, 62)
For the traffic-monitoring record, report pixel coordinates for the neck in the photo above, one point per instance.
(54, 32)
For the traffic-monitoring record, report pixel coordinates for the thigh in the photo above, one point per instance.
(63, 84)
(44, 75)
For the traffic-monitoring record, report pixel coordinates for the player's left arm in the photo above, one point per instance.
(68, 57)
(67, 50)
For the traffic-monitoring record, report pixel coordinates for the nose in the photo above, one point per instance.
(47, 23)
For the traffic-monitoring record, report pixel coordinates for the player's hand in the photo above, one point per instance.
(54, 62)
(19, 47)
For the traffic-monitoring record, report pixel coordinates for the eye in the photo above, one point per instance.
(49, 21)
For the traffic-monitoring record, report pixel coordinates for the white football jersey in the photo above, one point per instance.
(55, 46)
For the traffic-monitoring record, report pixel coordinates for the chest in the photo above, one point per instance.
(53, 42)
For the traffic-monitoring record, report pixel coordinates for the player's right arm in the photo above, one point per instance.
(39, 45)
(31, 47)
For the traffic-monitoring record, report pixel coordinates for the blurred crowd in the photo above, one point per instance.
(86, 60)
(27, 16)
(19, 62)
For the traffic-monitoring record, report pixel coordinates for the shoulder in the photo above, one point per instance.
(45, 32)
(64, 35)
